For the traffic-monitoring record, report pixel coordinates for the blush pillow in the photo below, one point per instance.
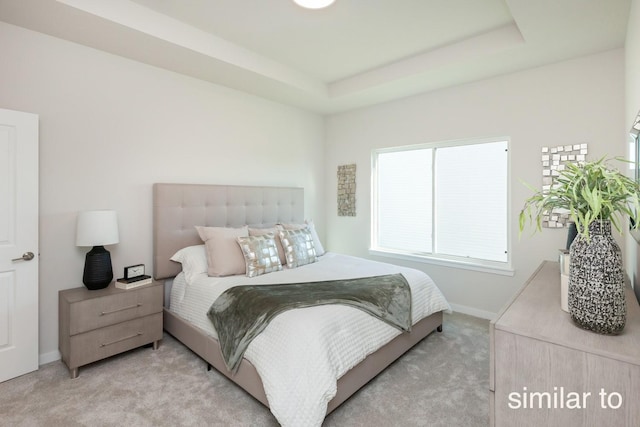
(224, 256)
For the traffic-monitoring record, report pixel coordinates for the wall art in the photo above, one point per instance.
(347, 190)
(554, 161)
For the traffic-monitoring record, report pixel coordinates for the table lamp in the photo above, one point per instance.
(97, 229)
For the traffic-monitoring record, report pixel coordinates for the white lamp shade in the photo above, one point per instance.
(314, 4)
(97, 228)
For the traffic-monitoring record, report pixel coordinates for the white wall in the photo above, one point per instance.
(632, 64)
(576, 101)
(110, 127)
(632, 98)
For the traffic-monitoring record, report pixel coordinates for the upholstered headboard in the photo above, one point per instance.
(177, 208)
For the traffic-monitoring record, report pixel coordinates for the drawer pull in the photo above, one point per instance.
(121, 339)
(121, 309)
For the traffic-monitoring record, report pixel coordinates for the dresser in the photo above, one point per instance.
(545, 371)
(97, 324)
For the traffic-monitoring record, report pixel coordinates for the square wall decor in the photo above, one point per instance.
(554, 161)
(347, 190)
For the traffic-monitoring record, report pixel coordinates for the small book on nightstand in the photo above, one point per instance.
(133, 282)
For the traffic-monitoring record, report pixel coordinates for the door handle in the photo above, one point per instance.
(27, 256)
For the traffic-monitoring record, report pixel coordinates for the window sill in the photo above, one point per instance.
(453, 263)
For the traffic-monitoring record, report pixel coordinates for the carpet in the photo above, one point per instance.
(442, 381)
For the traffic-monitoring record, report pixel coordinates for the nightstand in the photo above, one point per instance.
(97, 324)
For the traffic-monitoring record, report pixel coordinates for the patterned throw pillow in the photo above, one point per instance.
(274, 231)
(298, 247)
(260, 254)
(312, 229)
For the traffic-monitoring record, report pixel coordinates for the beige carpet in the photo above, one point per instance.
(443, 381)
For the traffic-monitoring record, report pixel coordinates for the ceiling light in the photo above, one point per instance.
(314, 4)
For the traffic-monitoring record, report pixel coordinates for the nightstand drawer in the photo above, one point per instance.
(114, 308)
(108, 341)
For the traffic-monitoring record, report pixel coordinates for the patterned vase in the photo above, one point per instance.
(596, 281)
(571, 234)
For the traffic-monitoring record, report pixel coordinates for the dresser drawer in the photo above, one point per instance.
(100, 343)
(95, 313)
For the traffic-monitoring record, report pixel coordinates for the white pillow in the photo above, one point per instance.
(193, 260)
(316, 239)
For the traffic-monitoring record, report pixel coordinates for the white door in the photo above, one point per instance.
(18, 243)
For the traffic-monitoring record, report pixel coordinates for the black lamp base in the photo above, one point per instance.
(97, 269)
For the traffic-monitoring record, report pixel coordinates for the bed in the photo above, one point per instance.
(179, 208)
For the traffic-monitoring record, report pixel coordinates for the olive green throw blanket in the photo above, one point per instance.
(242, 312)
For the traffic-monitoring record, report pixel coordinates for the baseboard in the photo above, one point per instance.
(45, 358)
(473, 311)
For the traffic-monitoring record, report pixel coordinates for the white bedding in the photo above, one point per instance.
(324, 342)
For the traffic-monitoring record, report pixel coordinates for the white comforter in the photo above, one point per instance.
(323, 342)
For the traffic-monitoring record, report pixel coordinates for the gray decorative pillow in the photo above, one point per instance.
(312, 229)
(298, 247)
(274, 231)
(260, 254)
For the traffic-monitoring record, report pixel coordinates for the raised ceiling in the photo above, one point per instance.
(351, 54)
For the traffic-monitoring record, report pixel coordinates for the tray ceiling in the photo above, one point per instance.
(351, 54)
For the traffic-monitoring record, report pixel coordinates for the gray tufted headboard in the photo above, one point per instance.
(177, 208)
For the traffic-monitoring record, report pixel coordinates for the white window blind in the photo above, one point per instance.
(447, 200)
(404, 200)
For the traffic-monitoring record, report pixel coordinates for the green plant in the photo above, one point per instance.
(589, 191)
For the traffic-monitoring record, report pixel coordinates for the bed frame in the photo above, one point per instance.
(177, 208)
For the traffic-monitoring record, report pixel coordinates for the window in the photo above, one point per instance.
(444, 202)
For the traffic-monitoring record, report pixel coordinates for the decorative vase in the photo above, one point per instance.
(596, 281)
(571, 234)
